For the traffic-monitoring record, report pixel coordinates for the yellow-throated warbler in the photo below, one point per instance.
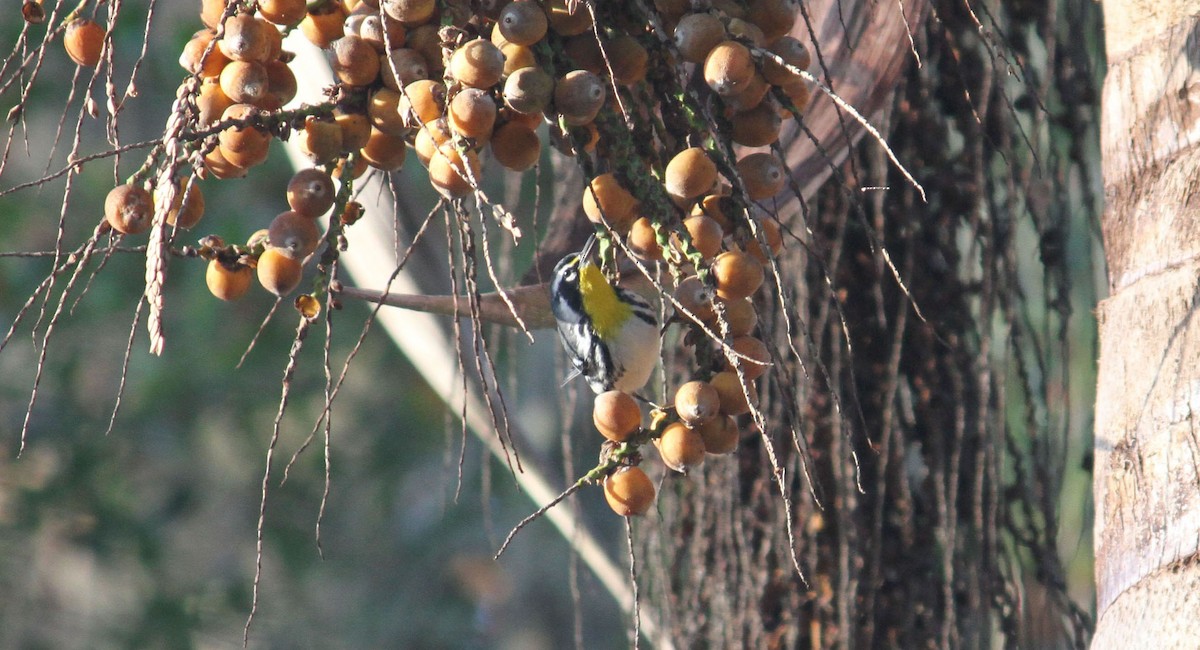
(610, 333)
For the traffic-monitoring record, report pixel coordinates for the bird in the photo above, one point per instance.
(611, 334)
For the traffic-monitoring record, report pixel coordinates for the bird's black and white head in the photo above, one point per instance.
(566, 301)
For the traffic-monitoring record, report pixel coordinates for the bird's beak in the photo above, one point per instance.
(586, 251)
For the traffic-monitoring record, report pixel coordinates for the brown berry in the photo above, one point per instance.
(697, 34)
(578, 96)
(384, 151)
(472, 113)
(278, 273)
(616, 415)
(285, 13)
(681, 448)
(355, 61)
(422, 102)
(737, 275)
(477, 64)
(643, 240)
(84, 42)
(704, 233)
(383, 110)
(629, 491)
(696, 402)
(729, 389)
(516, 146)
(605, 200)
(194, 60)
(188, 205)
(281, 86)
(245, 82)
(696, 299)
(323, 25)
(454, 173)
(793, 53)
(720, 434)
(403, 66)
(759, 357)
(129, 209)
(294, 235)
(528, 90)
(320, 140)
(429, 137)
(774, 17)
(728, 68)
(245, 39)
(356, 128)
(410, 12)
(225, 282)
(243, 146)
(740, 316)
(211, 102)
(311, 193)
(689, 174)
(569, 22)
(762, 174)
(522, 22)
(758, 126)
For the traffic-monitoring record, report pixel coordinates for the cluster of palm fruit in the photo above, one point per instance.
(668, 105)
(702, 417)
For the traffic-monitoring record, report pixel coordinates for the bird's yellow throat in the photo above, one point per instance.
(600, 302)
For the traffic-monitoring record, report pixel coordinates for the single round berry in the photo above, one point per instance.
(188, 205)
(227, 283)
(245, 82)
(696, 402)
(762, 174)
(310, 192)
(522, 22)
(740, 316)
(285, 13)
(616, 415)
(578, 96)
(245, 39)
(129, 209)
(737, 275)
(84, 42)
(355, 61)
(320, 140)
(720, 435)
(728, 68)
(697, 34)
(757, 356)
(293, 235)
(606, 201)
(696, 299)
(681, 448)
(629, 491)
(472, 113)
(643, 240)
(689, 174)
(278, 273)
(729, 389)
(516, 146)
(194, 60)
(528, 90)
(384, 151)
(477, 64)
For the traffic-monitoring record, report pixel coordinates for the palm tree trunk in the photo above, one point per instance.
(1147, 529)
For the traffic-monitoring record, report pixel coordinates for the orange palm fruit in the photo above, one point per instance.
(129, 209)
(84, 42)
(629, 491)
(227, 283)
